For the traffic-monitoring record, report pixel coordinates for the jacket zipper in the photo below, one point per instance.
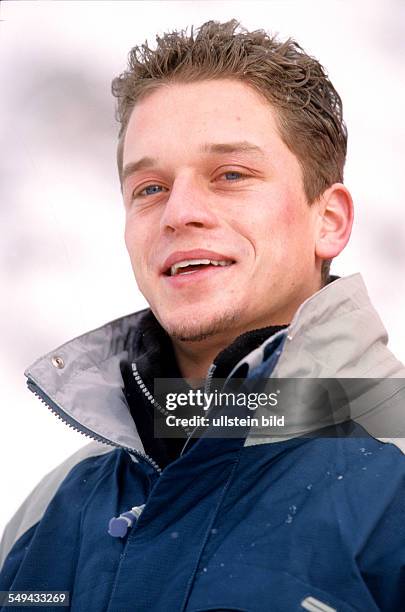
(207, 387)
(149, 396)
(61, 414)
(152, 400)
(208, 380)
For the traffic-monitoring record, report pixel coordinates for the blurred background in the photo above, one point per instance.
(63, 266)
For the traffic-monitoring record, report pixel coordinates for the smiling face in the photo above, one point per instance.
(219, 232)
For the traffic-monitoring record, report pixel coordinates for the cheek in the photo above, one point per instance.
(279, 229)
(136, 245)
(130, 239)
(267, 220)
(288, 211)
(298, 237)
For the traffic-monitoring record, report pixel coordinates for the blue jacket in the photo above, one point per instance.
(249, 524)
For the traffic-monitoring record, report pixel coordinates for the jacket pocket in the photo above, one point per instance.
(238, 587)
(216, 609)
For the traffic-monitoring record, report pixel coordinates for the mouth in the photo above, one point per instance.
(190, 266)
(195, 262)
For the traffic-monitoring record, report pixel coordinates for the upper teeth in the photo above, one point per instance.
(195, 262)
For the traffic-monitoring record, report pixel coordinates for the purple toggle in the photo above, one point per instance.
(118, 527)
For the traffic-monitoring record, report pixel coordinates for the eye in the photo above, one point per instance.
(233, 176)
(149, 190)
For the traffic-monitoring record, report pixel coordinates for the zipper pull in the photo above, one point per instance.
(119, 525)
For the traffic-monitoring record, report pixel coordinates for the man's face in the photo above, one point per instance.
(215, 183)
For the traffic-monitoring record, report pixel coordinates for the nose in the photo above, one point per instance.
(188, 206)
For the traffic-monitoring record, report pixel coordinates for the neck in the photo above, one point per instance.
(195, 358)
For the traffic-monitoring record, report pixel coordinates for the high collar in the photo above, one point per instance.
(335, 333)
(153, 357)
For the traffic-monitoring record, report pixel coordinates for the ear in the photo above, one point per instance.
(335, 209)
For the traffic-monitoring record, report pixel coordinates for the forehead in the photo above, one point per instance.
(179, 118)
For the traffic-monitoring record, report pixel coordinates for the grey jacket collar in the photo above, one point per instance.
(335, 333)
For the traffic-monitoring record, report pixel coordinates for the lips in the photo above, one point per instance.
(187, 262)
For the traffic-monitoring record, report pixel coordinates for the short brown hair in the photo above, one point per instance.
(308, 108)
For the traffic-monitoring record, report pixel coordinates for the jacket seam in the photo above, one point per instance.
(205, 540)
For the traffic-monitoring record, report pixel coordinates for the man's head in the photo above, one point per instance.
(231, 150)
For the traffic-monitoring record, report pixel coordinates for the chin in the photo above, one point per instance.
(197, 329)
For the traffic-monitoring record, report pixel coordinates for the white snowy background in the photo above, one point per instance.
(63, 266)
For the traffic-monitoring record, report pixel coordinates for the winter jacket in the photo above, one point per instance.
(250, 523)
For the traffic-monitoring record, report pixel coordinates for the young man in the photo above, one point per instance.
(230, 155)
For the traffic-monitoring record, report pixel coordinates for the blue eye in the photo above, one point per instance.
(234, 175)
(150, 190)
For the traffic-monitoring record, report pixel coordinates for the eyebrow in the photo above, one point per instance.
(220, 148)
(232, 147)
(141, 164)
